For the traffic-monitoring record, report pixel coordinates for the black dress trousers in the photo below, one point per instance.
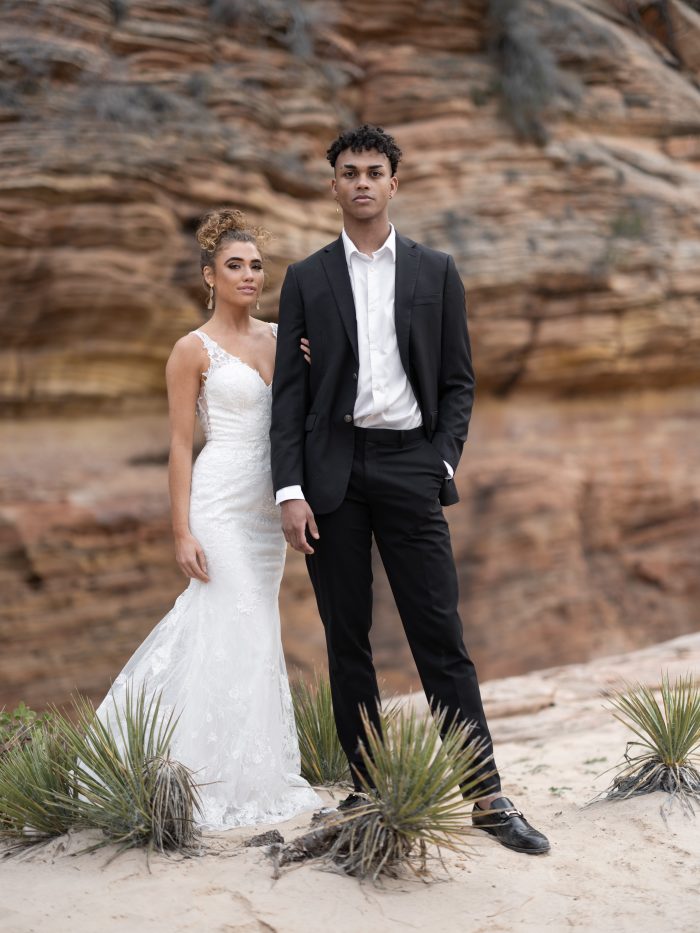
(393, 494)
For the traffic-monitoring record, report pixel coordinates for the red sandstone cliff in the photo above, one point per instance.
(552, 147)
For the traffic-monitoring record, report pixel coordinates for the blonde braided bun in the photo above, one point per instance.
(223, 225)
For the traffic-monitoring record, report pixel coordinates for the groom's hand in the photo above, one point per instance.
(296, 516)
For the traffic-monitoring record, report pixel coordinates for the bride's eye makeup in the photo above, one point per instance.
(237, 263)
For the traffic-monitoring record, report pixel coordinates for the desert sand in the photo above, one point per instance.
(620, 866)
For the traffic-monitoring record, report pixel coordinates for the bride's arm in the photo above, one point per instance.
(183, 374)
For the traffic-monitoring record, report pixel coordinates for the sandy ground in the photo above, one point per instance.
(613, 866)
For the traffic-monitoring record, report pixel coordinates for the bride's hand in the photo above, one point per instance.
(305, 348)
(190, 557)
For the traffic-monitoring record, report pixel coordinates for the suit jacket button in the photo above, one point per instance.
(354, 376)
(347, 418)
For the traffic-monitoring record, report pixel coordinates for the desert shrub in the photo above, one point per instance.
(421, 776)
(128, 786)
(16, 726)
(291, 23)
(629, 222)
(136, 106)
(271, 13)
(529, 78)
(418, 778)
(666, 753)
(119, 10)
(36, 790)
(116, 776)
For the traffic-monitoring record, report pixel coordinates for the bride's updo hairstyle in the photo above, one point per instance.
(222, 226)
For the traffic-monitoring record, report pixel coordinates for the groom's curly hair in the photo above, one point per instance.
(363, 138)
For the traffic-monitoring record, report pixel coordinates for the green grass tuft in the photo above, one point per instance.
(323, 760)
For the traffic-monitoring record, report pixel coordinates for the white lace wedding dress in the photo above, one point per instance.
(217, 656)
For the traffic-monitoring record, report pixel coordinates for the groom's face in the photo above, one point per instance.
(363, 184)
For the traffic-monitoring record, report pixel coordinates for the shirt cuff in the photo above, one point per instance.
(450, 471)
(288, 492)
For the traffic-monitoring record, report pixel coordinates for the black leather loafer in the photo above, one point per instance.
(352, 801)
(509, 826)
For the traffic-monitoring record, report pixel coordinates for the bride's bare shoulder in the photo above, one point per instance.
(188, 353)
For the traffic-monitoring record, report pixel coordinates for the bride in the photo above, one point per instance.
(217, 656)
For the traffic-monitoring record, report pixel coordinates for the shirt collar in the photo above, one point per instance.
(389, 244)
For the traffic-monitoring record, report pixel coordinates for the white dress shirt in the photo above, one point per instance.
(385, 398)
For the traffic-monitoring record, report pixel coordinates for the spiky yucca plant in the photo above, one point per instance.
(417, 788)
(35, 786)
(128, 785)
(116, 777)
(668, 750)
(323, 760)
(174, 801)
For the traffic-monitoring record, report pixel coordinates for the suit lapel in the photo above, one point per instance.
(407, 262)
(335, 264)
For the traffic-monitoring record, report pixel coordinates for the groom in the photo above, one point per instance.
(365, 442)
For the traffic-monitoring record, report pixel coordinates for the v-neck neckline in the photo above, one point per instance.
(268, 385)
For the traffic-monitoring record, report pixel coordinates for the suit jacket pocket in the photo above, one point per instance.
(310, 421)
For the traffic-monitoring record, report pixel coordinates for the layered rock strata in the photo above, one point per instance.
(552, 146)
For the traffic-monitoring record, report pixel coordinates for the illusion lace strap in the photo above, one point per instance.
(206, 340)
(215, 352)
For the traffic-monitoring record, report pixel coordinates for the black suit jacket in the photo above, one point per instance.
(312, 430)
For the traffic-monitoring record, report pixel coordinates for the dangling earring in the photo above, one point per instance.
(337, 209)
(210, 302)
(257, 304)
